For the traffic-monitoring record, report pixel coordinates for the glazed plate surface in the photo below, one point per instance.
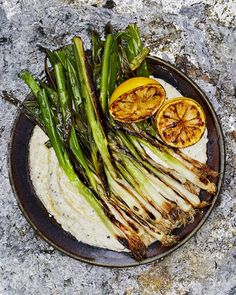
(52, 232)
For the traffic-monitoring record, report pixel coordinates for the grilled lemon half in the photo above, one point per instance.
(136, 99)
(181, 122)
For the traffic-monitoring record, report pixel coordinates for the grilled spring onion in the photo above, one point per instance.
(135, 52)
(110, 216)
(90, 102)
(157, 193)
(139, 209)
(140, 188)
(173, 159)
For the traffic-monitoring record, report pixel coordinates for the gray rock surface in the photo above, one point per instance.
(199, 37)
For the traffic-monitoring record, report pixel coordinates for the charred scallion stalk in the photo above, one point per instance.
(30, 81)
(65, 107)
(165, 176)
(64, 99)
(90, 104)
(74, 82)
(134, 50)
(137, 61)
(52, 94)
(97, 49)
(179, 166)
(65, 163)
(116, 224)
(139, 211)
(166, 156)
(149, 134)
(105, 72)
(34, 113)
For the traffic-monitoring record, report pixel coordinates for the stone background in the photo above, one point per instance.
(199, 37)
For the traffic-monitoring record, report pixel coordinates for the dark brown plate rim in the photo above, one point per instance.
(184, 240)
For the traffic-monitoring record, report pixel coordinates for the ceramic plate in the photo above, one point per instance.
(52, 232)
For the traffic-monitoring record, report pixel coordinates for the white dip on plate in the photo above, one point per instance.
(61, 199)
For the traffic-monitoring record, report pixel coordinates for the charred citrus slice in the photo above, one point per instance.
(181, 122)
(136, 100)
